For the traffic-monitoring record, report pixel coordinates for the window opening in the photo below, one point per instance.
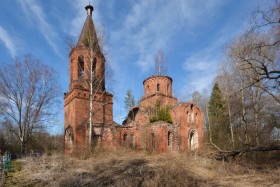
(158, 87)
(153, 142)
(125, 140)
(189, 117)
(93, 67)
(169, 138)
(81, 70)
(132, 141)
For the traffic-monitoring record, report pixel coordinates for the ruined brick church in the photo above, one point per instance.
(88, 102)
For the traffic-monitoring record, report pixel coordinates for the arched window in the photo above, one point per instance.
(196, 119)
(81, 69)
(158, 87)
(124, 137)
(191, 106)
(93, 71)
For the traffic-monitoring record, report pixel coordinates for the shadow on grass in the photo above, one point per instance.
(134, 172)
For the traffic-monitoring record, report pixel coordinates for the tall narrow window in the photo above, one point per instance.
(148, 89)
(132, 141)
(81, 70)
(124, 137)
(125, 140)
(93, 67)
(196, 119)
(158, 88)
(153, 142)
(170, 140)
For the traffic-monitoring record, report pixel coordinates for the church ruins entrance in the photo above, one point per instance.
(193, 139)
(69, 139)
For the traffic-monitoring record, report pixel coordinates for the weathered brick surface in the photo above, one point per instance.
(77, 100)
(158, 88)
(185, 132)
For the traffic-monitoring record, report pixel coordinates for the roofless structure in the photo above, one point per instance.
(88, 108)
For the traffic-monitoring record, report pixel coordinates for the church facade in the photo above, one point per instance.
(88, 108)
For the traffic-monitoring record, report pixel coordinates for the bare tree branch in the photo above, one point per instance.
(28, 90)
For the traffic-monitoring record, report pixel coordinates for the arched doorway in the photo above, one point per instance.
(69, 140)
(193, 139)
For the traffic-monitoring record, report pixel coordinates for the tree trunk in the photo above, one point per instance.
(222, 155)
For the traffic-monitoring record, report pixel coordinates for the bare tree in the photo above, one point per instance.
(29, 91)
(250, 83)
(263, 41)
(261, 63)
(196, 97)
(160, 63)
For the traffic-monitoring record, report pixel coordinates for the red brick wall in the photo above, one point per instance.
(99, 70)
(77, 101)
(158, 88)
(144, 140)
(182, 115)
(164, 82)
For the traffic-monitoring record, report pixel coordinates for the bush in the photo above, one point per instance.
(162, 114)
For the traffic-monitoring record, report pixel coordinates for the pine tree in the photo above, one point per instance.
(129, 100)
(161, 114)
(218, 118)
(217, 105)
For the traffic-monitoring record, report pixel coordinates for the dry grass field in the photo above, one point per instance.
(125, 168)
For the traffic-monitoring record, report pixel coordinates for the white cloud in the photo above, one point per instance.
(197, 64)
(8, 41)
(34, 12)
(202, 82)
(151, 25)
(199, 82)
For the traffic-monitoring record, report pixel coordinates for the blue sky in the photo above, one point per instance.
(193, 34)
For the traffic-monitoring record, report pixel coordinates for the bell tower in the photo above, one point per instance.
(87, 95)
(87, 53)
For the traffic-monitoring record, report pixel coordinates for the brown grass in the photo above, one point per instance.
(125, 168)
